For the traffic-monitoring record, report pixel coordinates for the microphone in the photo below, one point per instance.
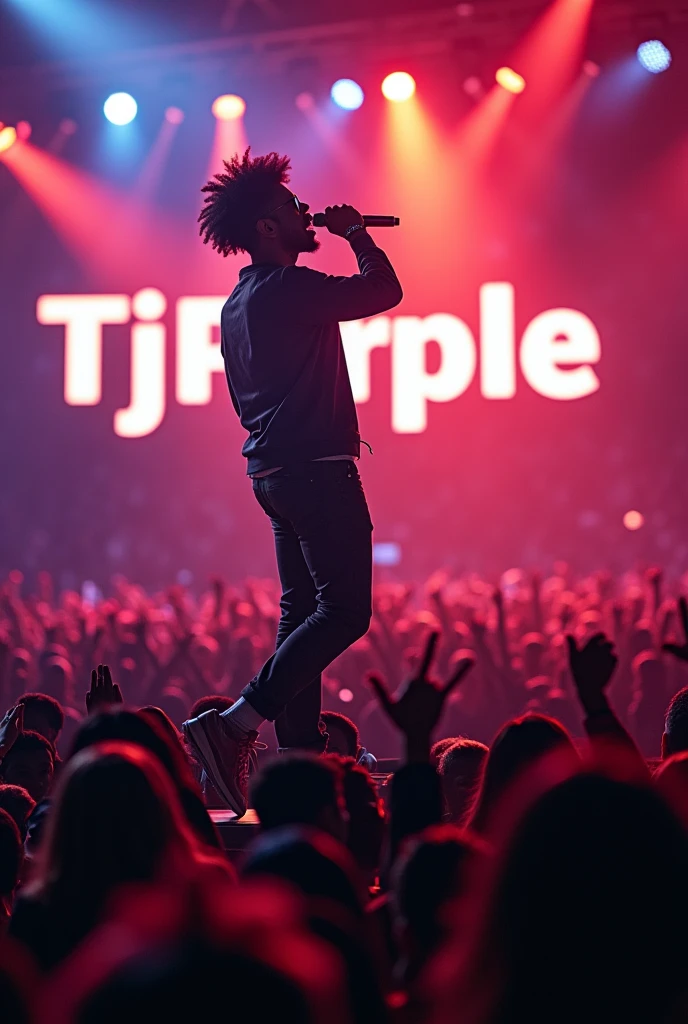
(369, 221)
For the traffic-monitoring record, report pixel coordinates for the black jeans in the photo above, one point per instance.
(323, 540)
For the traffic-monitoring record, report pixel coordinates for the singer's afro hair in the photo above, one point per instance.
(236, 199)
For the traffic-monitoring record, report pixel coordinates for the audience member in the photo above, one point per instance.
(366, 822)
(583, 918)
(429, 876)
(133, 727)
(565, 900)
(344, 739)
(517, 746)
(43, 714)
(301, 790)
(29, 763)
(116, 819)
(460, 769)
(11, 857)
(19, 804)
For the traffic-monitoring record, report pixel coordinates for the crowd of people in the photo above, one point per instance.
(496, 832)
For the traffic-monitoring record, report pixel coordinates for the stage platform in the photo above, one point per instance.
(236, 833)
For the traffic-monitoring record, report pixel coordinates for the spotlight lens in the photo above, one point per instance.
(173, 115)
(229, 107)
(346, 696)
(347, 94)
(8, 137)
(23, 130)
(120, 108)
(633, 520)
(654, 56)
(398, 87)
(510, 80)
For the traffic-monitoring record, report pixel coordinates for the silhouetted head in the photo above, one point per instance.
(30, 763)
(57, 678)
(440, 748)
(671, 779)
(366, 827)
(429, 874)
(115, 818)
(311, 861)
(42, 714)
(147, 731)
(248, 208)
(213, 702)
(585, 917)
(675, 738)
(154, 714)
(517, 746)
(11, 854)
(19, 804)
(343, 734)
(460, 770)
(301, 790)
(191, 981)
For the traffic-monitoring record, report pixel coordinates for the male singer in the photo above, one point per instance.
(290, 387)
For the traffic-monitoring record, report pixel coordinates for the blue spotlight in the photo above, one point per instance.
(120, 108)
(654, 56)
(347, 94)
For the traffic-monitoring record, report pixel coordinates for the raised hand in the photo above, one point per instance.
(680, 651)
(592, 668)
(419, 706)
(104, 693)
(11, 726)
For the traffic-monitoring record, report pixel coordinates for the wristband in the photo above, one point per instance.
(354, 227)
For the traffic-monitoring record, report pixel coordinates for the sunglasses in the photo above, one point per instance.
(292, 199)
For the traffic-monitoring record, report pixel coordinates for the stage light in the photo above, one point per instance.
(347, 94)
(305, 101)
(229, 107)
(173, 115)
(346, 696)
(473, 87)
(510, 80)
(591, 69)
(8, 137)
(654, 56)
(398, 87)
(633, 520)
(23, 130)
(120, 108)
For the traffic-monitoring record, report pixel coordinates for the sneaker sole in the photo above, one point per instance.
(195, 733)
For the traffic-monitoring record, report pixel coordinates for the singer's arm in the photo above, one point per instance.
(312, 298)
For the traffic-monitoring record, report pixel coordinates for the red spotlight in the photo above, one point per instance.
(510, 80)
(23, 130)
(8, 137)
(229, 107)
(591, 69)
(173, 115)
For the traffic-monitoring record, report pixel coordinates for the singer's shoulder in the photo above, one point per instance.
(300, 275)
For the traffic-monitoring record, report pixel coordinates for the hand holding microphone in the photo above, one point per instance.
(340, 219)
